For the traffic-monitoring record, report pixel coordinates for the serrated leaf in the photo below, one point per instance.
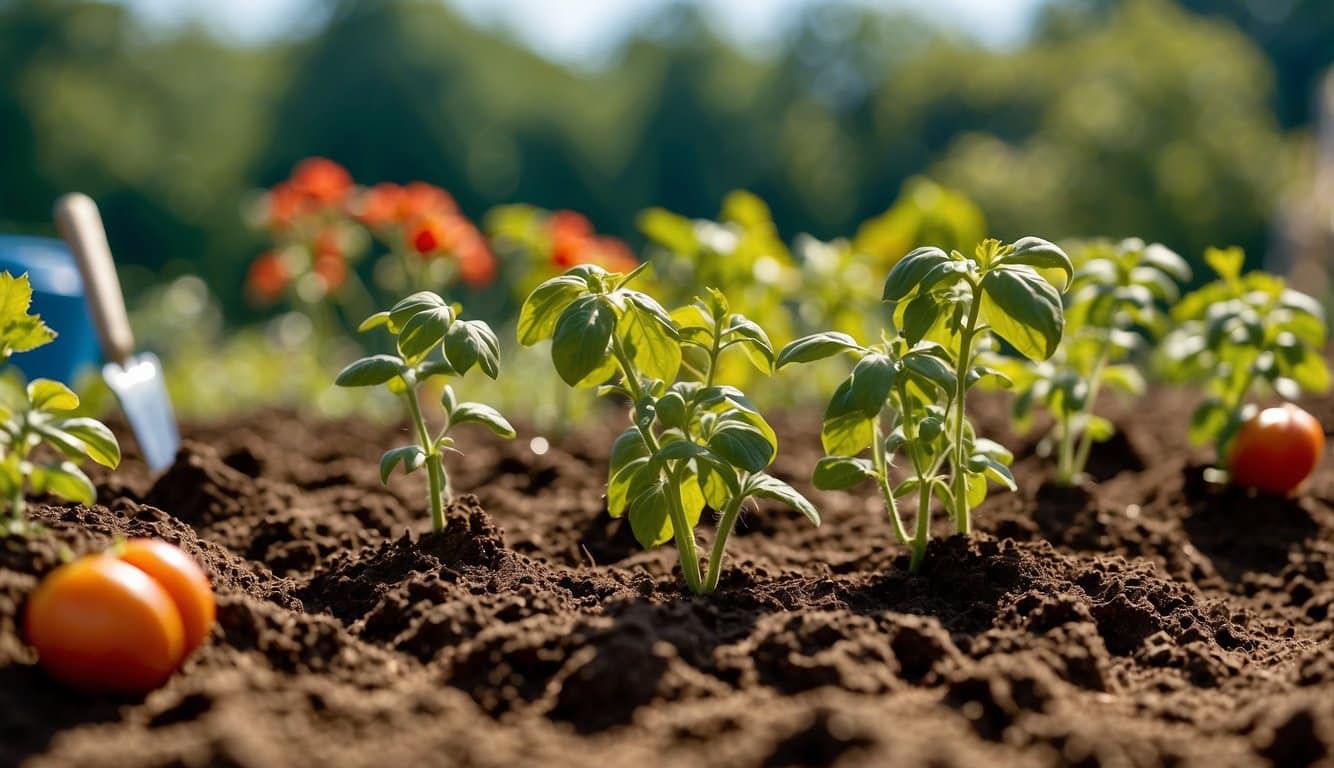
(1023, 309)
(769, 487)
(835, 473)
(542, 308)
(48, 395)
(581, 337)
(370, 371)
(412, 457)
(19, 331)
(472, 342)
(816, 347)
(479, 413)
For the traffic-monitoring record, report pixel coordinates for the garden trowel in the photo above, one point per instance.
(136, 380)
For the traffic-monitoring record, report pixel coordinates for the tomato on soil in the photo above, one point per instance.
(184, 581)
(1276, 449)
(101, 624)
(120, 622)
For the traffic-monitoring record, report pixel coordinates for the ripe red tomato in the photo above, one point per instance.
(183, 580)
(101, 624)
(1276, 449)
(123, 621)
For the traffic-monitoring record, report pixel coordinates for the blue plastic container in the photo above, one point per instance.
(57, 295)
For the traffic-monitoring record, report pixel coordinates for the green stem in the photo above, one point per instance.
(725, 525)
(959, 470)
(923, 524)
(881, 464)
(1081, 456)
(435, 471)
(681, 530)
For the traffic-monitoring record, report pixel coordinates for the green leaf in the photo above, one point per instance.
(907, 274)
(651, 342)
(629, 481)
(63, 480)
(816, 347)
(920, 314)
(472, 342)
(1124, 377)
(649, 517)
(370, 371)
(1023, 309)
(19, 331)
(769, 487)
(742, 445)
(423, 331)
(412, 457)
(846, 435)
(671, 410)
(581, 337)
(537, 317)
(866, 390)
(1166, 260)
(99, 444)
(754, 341)
(447, 399)
(1209, 420)
(1042, 256)
(374, 321)
(422, 301)
(932, 369)
(835, 473)
(650, 309)
(48, 395)
(1227, 262)
(478, 413)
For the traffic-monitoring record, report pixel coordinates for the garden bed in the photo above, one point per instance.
(1150, 619)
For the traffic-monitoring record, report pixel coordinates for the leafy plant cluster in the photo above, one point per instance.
(431, 342)
(907, 395)
(692, 441)
(42, 414)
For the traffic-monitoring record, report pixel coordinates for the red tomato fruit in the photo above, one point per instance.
(1276, 449)
(100, 624)
(183, 580)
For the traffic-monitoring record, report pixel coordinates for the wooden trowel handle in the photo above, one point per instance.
(80, 225)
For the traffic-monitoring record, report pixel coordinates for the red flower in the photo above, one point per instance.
(285, 204)
(573, 241)
(322, 181)
(422, 199)
(612, 254)
(477, 266)
(268, 278)
(381, 205)
(332, 269)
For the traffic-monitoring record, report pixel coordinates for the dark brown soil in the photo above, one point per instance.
(1151, 619)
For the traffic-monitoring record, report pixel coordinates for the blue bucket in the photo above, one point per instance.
(57, 295)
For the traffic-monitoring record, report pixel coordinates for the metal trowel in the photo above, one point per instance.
(136, 380)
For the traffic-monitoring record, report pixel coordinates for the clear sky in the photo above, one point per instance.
(584, 31)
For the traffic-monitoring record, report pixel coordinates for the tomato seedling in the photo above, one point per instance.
(120, 621)
(1239, 335)
(41, 414)
(431, 342)
(908, 394)
(692, 441)
(1116, 303)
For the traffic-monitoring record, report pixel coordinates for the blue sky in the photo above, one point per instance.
(584, 31)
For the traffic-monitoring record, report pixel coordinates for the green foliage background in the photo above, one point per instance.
(1177, 122)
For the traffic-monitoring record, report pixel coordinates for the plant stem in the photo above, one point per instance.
(435, 472)
(725, 525)
(881, 464)
(681, 530)
(923, 524)
(1081, 457)
(959, 470)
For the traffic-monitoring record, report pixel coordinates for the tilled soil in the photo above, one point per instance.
(1149, 619)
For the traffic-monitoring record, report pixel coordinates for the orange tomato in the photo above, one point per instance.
(183, 580)
(1276, 449)
(101, 624)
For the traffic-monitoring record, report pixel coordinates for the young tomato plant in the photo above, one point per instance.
(908, 394)
(1115, 304)
(1239, 335)
(431, 342)
(41, 414)
(692, 442)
